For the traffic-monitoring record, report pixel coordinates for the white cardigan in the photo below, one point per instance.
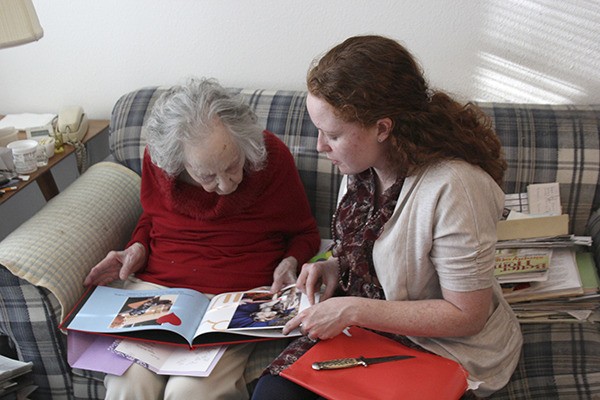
(443, 232)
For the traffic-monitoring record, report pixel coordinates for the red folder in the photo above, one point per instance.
(427, 376)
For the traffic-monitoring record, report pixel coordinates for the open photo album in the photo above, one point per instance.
(185, 316)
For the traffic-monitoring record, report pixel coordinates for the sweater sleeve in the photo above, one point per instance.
(141, 233)
(297, 221)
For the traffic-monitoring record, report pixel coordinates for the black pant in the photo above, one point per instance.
(272, 387)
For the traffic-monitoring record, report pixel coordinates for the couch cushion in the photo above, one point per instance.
(542, 143)
(558, 361)
(552, 143)
(29, 318)
(126, 138)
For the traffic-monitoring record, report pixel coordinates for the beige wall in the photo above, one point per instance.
(495, 50)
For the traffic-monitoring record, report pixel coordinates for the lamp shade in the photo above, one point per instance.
(19, 23)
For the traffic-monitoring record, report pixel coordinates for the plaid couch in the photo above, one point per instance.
(44, 261)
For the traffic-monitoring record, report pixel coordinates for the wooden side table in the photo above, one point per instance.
(43, 175)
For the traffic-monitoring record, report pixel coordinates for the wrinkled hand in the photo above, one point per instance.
(284, 274)
(324, 320)
(117, 265)
(315, 275)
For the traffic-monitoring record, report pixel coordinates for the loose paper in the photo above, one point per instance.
(26, 120)
(544, 198)
(92, 352)
(172, 360)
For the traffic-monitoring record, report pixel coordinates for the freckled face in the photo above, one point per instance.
(215, 163)
(348, 145)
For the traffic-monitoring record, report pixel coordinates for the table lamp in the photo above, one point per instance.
(19, 23)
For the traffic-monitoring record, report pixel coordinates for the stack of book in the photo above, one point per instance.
(543, 272)
(15, 379)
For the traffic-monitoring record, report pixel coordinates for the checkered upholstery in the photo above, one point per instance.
(552, 143)
(542, 143)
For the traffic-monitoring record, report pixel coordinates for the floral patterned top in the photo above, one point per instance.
(358, 222)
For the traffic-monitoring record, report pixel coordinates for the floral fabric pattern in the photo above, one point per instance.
(356, 225)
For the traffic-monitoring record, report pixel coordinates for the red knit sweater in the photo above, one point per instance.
(215, 244)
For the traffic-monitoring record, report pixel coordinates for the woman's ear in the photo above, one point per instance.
(384, 129)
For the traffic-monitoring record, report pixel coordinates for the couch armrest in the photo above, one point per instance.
(57, 247)
(593, 230)
(29, 320)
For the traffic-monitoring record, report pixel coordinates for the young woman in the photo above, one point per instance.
(415, 229)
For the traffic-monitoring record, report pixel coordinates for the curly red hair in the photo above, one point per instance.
(367, 78)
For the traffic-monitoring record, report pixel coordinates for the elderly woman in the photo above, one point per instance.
(223, 210)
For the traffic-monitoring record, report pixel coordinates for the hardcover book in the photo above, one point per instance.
(185, 316)
(522, 265)
(563, 281)
(425, 376)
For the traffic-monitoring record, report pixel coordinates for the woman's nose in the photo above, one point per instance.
(322, 145)
(227, 185)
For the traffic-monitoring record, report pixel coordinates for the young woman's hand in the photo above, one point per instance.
(325, 319)
(315, 275)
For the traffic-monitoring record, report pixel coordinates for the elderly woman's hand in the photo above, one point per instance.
(117, 265)
(284, 274)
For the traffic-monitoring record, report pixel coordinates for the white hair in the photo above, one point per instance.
(188, 113)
